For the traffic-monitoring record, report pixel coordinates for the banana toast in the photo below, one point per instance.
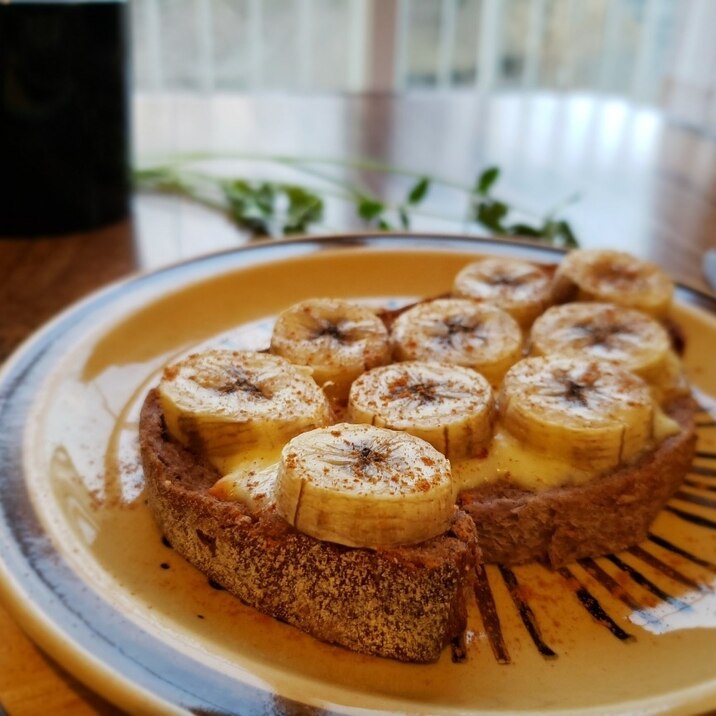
(596, 398)
(614, 508)
(403, 602)
(606, 514)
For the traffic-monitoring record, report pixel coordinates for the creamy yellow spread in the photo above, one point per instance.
(250, 477)
(507, 458)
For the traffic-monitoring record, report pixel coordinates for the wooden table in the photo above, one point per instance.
(647, 185)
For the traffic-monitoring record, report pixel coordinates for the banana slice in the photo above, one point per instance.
(588, 412)
(461, 332)
(518, 287)
(363, 486)
(450, 407)
(604, 331)
(613, 277)
(337, 339)
(223, 403)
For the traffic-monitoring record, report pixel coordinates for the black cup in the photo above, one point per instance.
(64, 116)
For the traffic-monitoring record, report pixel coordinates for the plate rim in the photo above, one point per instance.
(90, 668)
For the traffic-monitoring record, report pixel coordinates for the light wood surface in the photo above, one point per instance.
(647, 186)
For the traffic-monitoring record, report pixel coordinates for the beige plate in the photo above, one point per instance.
(85, 571)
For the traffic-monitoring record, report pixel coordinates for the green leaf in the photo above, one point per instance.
(566, 235)
(404, 217)
(486, 180)
(150, 175)
(305, 208)
(384, 225)
(490, 214)
(251, 206)
(369, 209)
(558, 233)
(419, 190)
(162, 179)
(524, 230)
(273, 209)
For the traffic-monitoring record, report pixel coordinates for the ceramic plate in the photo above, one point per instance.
(85, 571)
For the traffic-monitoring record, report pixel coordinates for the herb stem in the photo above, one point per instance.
(358, 163)
(348, 196)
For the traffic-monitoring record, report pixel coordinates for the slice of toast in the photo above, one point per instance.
(604, 515)
(405, 603)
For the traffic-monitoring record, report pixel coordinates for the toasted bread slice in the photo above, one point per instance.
(405, 603)
(604, 515)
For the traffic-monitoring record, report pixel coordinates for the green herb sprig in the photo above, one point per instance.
(271, 208)
(493, 213)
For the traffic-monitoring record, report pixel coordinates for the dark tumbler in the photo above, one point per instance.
(64, 116)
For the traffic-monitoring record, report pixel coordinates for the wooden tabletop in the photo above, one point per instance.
(647, 185)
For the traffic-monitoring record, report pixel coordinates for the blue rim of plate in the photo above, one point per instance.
(93, 640)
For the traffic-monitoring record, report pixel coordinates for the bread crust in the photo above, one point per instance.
(604, 515)
(405, 603)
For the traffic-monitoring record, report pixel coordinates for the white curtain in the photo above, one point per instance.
(690, 87)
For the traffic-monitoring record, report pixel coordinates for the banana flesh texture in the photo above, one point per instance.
(231, 403)
(518, 287)
(613, 277)
(363, 486)
(459, 331)
(590, 412)
(604, 331)
(337, 339)
(450, 407)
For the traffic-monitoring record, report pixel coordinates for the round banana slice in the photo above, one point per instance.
(461, 332)
(450, 407)
(222, 403)
(339, 340)
(613, 277)
(604, 331)
(363, 486)
(518, 287)
(588, 412)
